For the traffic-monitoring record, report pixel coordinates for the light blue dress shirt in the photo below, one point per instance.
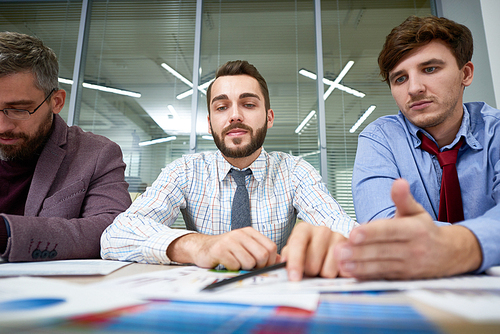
(389, 148)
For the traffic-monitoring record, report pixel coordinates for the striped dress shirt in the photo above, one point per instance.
(281, 187)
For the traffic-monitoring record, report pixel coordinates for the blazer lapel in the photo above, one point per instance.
(46, 168)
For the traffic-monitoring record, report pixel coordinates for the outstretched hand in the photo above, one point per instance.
(408, 246)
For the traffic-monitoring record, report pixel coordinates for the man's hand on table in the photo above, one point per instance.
(310, 251)
(244, 248)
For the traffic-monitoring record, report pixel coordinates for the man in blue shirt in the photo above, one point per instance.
(427, 64)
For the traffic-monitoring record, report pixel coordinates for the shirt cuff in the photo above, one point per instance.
(487, 232)
(156, 246)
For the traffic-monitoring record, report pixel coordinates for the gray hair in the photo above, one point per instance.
(24, 53)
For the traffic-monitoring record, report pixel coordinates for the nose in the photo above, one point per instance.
(415, 85)
(236, 115)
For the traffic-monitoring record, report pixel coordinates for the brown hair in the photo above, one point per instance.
(239, 67)
(24, 53)
(415, 32)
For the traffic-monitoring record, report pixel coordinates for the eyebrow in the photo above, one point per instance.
(242, 96)
(245, 95)
(220, 97)
(20, 102)
(433, 61)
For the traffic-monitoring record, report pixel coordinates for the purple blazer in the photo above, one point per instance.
(78, 188)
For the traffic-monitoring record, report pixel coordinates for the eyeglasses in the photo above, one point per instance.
(21, 113)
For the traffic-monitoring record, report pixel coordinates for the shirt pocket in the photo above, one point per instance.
(276, 216)
(65, 203)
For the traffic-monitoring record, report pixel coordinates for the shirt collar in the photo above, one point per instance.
(258, 167)
(464, 131)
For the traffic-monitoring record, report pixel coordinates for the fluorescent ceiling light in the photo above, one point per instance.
(173, 111)
(177, 74)
(362, 118)
(310, 75)
(335, 84)
(66, 81)
(341, 76)
(308, 154)
(305, 121)
(350, 91)
(111, 90)
(185, 94)
(202, 88)
(157, 141)
(103, 88)
(207, 137)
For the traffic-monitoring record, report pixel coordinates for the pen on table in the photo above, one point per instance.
(243, 276)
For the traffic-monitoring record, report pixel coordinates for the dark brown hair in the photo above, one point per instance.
(415, 32)
(239, 67)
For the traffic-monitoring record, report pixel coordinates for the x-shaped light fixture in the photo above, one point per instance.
(202, 88)
(334, 84)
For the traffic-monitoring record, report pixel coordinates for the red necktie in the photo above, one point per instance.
(450, 202)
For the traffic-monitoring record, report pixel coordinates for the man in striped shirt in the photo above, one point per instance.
(280, 187)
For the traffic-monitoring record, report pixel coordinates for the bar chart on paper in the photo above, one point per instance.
(330, 317)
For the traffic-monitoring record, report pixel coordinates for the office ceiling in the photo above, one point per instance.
(129, 40)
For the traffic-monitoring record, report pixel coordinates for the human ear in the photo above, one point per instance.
(209, 125)
(270, 118)
(468, 72)
(58, 99)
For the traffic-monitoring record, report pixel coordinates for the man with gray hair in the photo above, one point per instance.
(60, 187)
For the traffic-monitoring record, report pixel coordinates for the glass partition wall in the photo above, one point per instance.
(131, 44)
(353, 35)
(55, 22)
(136, 72)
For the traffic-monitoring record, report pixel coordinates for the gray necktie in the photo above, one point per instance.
(240, 211)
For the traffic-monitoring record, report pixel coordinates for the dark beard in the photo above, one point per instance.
(31, 146)
(256, 141)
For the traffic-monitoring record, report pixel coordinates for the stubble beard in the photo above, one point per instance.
(256, 141)
(436, 118)
(30, 145)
